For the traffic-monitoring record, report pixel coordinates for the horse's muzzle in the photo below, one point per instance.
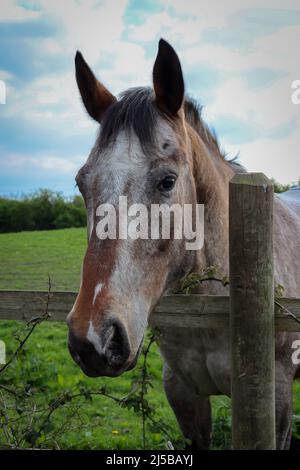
(107, 354)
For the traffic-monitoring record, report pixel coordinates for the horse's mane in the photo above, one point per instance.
(193, 116)
(136, 110)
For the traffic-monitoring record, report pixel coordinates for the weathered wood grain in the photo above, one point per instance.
(192, 311)
(252, 323)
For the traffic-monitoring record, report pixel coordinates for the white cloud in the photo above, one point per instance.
(10, 11)
(173, 29)
(130, 67)
(268, 108)
(215, 13)
(4, 75)
(193, 18)
(97, 29)
(277, 158)
(89, 25)
(52, 102)
(51, 163)
(273, 51)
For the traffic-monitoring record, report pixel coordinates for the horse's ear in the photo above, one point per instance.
(168, 79)
(96, 98)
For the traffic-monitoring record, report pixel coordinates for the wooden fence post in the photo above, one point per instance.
(252, 311)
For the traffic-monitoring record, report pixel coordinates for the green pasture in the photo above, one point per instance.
(44, 370)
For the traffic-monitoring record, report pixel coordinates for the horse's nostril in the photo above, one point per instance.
(117, 347)
(103, 355)
(76, 357)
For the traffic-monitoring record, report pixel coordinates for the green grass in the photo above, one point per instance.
(27, 258)
(44, 370)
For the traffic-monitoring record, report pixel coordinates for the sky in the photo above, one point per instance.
(239, 60)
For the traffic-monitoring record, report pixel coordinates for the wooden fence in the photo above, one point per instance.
(250, 311)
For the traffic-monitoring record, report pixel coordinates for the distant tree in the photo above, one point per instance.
(42, 210)
(281, 188)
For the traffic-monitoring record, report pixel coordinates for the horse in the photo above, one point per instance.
(153, 146)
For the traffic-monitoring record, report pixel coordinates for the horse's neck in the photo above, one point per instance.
(212, 175)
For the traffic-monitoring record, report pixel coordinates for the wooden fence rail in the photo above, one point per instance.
(192, 311)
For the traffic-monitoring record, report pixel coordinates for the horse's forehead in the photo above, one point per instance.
(128, 158)
(128, 147)
(115, 166)
(125, 153)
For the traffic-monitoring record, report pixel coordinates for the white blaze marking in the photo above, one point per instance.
(127, 159)
(114, 167)
(93, 337)
(97, 291)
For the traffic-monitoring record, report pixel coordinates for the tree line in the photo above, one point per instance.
(42, 210)
(48, 210)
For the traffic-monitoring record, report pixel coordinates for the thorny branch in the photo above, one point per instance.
(193, 280)
(143, 387)
(34, 322)
(42, 416)
(135, 399)
(287, 311)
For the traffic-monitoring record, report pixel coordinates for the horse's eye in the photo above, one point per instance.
(167, 184)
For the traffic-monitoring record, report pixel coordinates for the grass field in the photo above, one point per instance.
(45, 370)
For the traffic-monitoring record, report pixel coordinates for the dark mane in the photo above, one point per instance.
(193, 116)
(136, 110)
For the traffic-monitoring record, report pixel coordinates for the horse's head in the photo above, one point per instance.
(143, 152)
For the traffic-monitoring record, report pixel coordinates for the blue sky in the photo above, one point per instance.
(239, 60)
